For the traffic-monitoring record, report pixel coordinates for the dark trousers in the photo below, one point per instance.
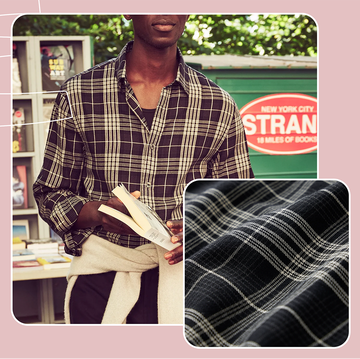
(90, 294)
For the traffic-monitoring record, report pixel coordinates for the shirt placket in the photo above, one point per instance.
(151, 148)
(151, 140)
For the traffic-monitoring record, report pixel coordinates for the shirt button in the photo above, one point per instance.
(152, 147)
(148, 184)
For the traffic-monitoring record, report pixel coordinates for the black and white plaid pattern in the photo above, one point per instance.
(196, 133)
(266, 263)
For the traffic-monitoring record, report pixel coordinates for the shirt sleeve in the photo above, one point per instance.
(232, 159)
(58, 187)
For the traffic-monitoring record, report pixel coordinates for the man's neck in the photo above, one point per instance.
(152, 65)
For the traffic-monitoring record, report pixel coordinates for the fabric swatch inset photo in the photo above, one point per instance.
(266, 263)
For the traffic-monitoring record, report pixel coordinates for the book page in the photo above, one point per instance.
(160, 239)
(123, 218)
(140, 212)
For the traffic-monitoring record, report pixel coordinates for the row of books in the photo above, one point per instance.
(48, 253)
(57, 65)
(22, 133)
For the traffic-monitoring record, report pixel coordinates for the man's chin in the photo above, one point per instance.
(162, 41)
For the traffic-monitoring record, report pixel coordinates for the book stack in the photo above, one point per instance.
(26, 264)
(61, 245)
(24, 258)
(23, 255)
(55, 261)
(46, 253)
(18, 243)
(42, 247)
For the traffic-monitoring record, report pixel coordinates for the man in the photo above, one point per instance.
(147, 120)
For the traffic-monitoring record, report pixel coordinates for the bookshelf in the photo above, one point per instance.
(43, 63)
(38, 295)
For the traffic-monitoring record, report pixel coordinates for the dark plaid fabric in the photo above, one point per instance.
(98, 138)
(266, 263)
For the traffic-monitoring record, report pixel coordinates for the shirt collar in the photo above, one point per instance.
(182, 76)
(183, 73)
(120, 64)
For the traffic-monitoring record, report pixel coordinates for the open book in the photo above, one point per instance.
(144, 221)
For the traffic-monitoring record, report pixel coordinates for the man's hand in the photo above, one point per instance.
(89, 216)
(176, 255)
(113, 225)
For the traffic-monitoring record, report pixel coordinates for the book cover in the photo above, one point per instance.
(22, 255)
(21, 229)
(57, 65)
(19, 187)
(19, 130)
(16, 79)
(55, 261)
(26, 264)
(144, 221)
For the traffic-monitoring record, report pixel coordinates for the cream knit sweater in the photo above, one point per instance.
(100, 255)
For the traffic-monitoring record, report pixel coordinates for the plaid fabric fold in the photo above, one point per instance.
(266, 263)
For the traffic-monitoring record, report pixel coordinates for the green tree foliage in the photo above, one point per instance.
(251, 35)
(204, 34)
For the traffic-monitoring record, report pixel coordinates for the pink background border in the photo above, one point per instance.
(338, 119)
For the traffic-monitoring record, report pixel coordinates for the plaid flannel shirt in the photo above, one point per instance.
(266, 263)
(98, 138)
